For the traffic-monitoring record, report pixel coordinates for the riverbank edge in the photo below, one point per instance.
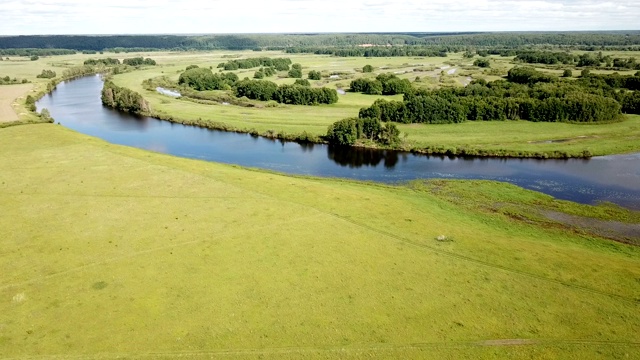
(436, 150)
(305, 137)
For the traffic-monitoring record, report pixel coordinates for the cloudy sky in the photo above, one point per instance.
(259, 16)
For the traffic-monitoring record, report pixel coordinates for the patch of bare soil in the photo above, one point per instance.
(8, 94)
(619, 231)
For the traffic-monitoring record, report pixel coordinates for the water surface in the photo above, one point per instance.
(76, 104)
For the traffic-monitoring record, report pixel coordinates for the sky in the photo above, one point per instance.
(33, 17)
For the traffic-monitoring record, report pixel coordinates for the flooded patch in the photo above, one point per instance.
(168, 92)
(557, 141)
(623, 232)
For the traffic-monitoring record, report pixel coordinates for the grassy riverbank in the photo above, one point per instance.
(110, 251)
(493, 138)
(511, 138)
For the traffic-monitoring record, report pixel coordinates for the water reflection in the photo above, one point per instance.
(358, 157)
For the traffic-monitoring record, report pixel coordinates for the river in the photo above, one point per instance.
(76, 104)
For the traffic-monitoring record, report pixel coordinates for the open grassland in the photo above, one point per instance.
(115, 252)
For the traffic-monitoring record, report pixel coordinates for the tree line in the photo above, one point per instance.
(526, 95)
(584, 60)
(376, 51)
(348, 131)
(137, 61)
(279, 64)
(295, 94)
(300, 93)
(588, 40)
(35, 52)
(203, 79)
(383, 84)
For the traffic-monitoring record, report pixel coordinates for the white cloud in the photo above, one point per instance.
(217, 16)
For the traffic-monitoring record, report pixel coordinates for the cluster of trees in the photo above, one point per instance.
(302, 82)
(296, 71)
(280, 64)
(545, 57)
(566, 58)
(296, 94)
(106, 62)
(203, 79)
(314, 75)
(348, 131)
(30, 102)
(483, 63)
(629, 63)
(35, 52)
(137, 61)
(376, 51)
(47, 74)
(527, 96)
(528, 75)
(609, 82)
(123, 99)
(7, 80)
(383, 84)
(264, 72)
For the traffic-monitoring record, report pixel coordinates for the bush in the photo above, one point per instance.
(296, 71)
(47, 74)
(367, 69)
(348, 131)
(302, 82)
(314, 75)
(343, 132)
(567, 73)
(483, 63)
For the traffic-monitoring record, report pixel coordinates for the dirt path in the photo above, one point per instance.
(8, 94)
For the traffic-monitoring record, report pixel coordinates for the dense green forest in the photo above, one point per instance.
(622, 40)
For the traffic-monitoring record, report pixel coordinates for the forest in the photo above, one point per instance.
(438, 42)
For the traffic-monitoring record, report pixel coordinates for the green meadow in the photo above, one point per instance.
(114, 252)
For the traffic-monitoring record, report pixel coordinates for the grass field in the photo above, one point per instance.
(113, 252)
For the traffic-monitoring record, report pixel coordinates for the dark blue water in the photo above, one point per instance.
(76, 105)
